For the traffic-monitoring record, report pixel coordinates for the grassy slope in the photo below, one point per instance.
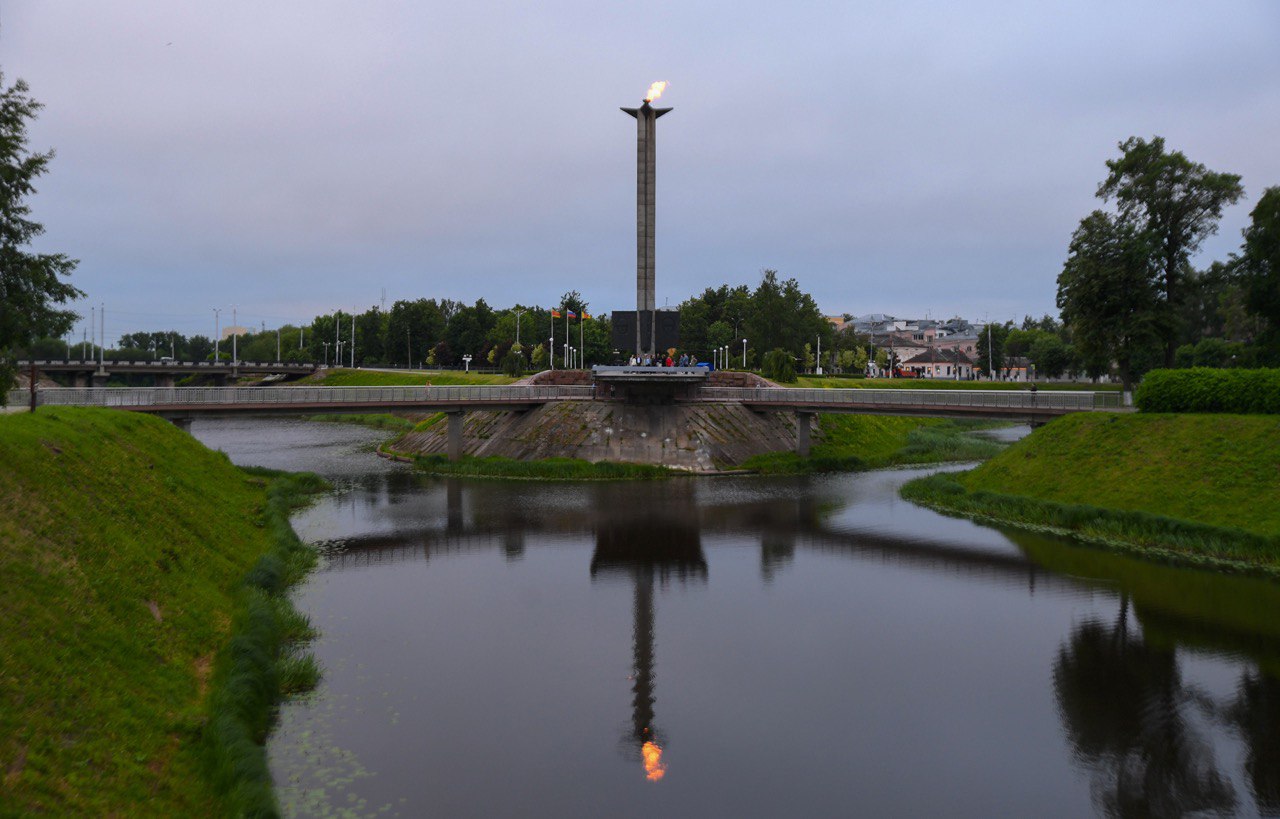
(814, 381)
(872, 441)
(1216, 469)
(370, 378)
(123, 544)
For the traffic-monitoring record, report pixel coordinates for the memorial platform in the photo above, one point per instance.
(648, 385)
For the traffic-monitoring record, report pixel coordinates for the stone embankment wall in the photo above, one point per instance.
(697, 437)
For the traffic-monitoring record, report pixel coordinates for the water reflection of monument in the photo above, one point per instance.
(650, 552)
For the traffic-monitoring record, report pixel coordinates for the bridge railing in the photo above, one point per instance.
(1067, 400)
(301, 396)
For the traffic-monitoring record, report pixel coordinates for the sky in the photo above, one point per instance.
(911, 158)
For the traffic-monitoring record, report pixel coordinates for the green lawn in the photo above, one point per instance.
(124, 551)
(371, 378)
(1222, 470)
(852, 441)
(1200, 488)
(823, 382)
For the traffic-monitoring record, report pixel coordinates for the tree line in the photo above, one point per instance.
(1128, 293)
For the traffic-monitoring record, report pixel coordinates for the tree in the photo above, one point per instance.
(1260, 267)
(779, 365)
(31, 284)
(1050, 356)
(991, 341)
(1105, 291)
(1178, 202)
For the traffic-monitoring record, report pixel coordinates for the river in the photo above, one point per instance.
(748, 647)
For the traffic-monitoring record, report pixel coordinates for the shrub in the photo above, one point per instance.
(513, 364)
(780, 366)
(1202, 389)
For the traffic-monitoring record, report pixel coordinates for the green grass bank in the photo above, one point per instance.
(147, 638)
(376, 378)
(825, 382)
(1189, 488)
(853, 442)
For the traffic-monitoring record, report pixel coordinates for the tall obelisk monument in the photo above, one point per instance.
(646, 192)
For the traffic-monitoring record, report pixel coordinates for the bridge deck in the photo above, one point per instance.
(297, 400)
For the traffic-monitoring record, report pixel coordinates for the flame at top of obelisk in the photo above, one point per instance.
(655, 90)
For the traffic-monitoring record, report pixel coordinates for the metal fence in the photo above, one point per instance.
(924, 399)
(301, 396)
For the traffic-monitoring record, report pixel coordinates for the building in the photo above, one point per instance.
(940, 363)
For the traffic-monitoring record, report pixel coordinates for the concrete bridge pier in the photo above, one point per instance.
(182, 422)
(455, 433)
(804, 422)
(100, 378)
(79, 379)
(166, 380)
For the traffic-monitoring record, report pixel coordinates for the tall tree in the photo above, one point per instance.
(991, 341)
(1178, 202)
(31, 284)
(1105, 291)
(1260, 266)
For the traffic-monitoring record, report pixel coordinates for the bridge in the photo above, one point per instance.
(91, 371)
(180, 404)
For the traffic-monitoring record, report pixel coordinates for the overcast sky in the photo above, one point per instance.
(291, 158)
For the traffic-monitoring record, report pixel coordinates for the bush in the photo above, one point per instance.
(780, 366)
(513, 364)
(1210, 390)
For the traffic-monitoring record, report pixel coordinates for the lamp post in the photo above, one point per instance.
(551, 349)
(466, 362)
(818, 359)
(234, 354)
(217, 333)
(744, 354)
(519, 313)
(325, 344)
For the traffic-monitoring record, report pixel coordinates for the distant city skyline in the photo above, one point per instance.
(901, 158)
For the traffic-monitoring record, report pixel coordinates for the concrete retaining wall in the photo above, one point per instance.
(698, 437)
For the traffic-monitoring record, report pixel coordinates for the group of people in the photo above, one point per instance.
(661, 360)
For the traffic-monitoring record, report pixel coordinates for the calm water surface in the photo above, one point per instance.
(749, 647)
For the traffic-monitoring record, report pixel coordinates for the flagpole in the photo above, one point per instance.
(566, 337)
(551, 351)
(581, 317)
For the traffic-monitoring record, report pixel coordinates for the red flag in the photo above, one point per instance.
(555, 314)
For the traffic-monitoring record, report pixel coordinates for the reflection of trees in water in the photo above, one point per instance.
(1126, 713)
(1256, 715)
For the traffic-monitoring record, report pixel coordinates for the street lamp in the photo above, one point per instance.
(519, 313)
(551, 350)
(326, 353)
(466, 361)
(744, 354)
(217, 333)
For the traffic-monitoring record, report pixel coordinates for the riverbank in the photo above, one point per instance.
(147, 637)
(1184, 488)
(606, 441)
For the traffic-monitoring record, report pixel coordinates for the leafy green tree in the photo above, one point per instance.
(31, 284)
(1260, 266)
(1178, 203)
(1105, 292)
(1050, 356)
(513, 364)
(991, 343)
(780, 366)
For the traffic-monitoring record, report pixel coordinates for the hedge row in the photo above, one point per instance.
(1203, 389)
